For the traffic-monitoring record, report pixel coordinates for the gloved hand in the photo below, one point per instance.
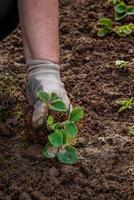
(43, 75)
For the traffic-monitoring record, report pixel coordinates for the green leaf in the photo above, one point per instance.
(120, 8)
(49, 151)
(122, 109)
(125, 104)
(54, 97)
(58, 105)
(127, 31)
(76, 114)
(105, 22)
(102, 32)
(50, 120)
(63, 132)
(55, 138)
(131, 130)
(71, 129)
(68, 155)
(43, 96)
(121, 63)
(119, 16)
(123, 30)
(130, 10)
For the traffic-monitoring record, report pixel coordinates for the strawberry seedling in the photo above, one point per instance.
(106, 27)
(122, 10)
(121, 63)
(125, 104)
(124, 30)
(62, 135)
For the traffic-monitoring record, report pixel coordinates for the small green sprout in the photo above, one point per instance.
(125, 104)
(62, 135)
(124, 30)
(121, 63)
(122, 10)
(105, 25)
(131, 130)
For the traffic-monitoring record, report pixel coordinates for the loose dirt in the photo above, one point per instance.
(106, 169)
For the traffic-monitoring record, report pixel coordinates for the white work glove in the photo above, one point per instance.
(43, 75)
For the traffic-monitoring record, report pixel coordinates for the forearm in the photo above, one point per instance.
(40, 27)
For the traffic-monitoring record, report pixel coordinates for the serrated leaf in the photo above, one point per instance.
(105, 22)
(120, 8)
(58, 105)
(50, 120)
(55, 138)
(76, 114)
(71, 129)
(119, 16)
(54, 97)
(67, 155)
(102, 32)
(49, 151)
(130, 10)
(43, 96)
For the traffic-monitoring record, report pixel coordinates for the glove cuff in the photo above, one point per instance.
(35, 67)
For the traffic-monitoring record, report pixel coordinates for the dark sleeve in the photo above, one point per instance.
(9, 17)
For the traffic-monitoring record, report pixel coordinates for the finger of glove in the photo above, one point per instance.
(66, 101)
(40, 113)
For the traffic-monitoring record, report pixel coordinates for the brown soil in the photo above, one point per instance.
(106, 171)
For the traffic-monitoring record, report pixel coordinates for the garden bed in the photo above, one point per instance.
(106, 170)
